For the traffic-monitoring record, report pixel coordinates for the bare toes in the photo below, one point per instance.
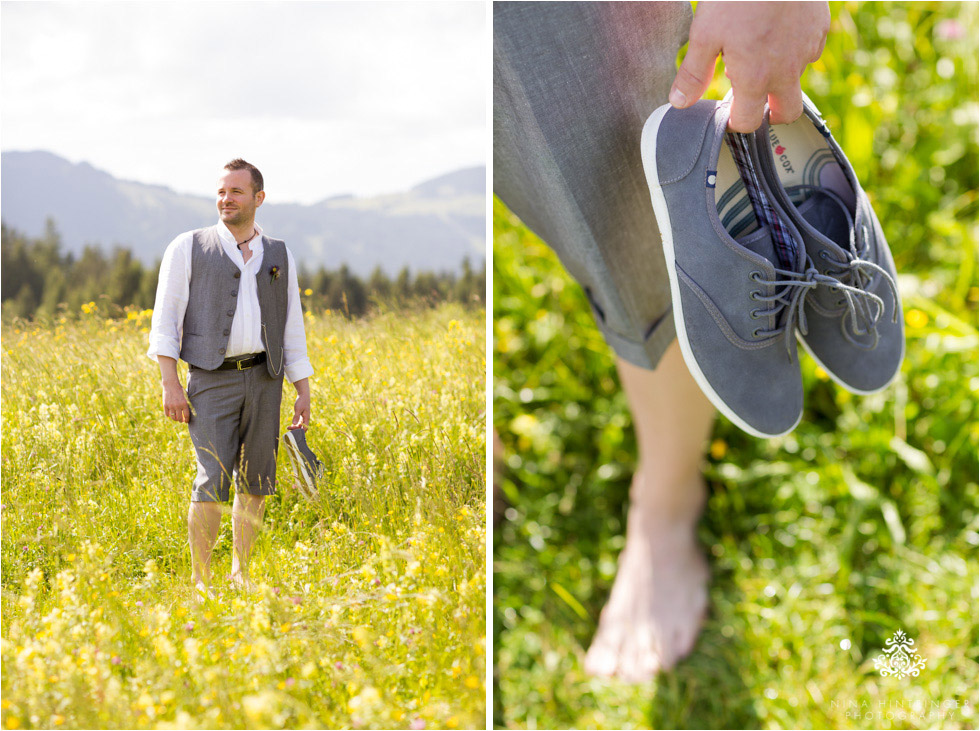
(644, 659)
(603, 653)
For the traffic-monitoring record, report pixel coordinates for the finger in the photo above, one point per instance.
(818, 51)
(748, 106)
(823, 23)
(786, 104)
(695, 72)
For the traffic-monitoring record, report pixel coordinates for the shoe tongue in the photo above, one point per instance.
(760, 242)
(828, 215)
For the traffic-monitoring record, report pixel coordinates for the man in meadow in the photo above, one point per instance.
(228, 304)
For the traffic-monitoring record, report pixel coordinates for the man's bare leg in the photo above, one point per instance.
(657, 603)
(203, 522)
(246, 521)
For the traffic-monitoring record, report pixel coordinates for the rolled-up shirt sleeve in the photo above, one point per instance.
(173, 290)
(298, 364)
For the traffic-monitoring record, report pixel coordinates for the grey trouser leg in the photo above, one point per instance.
(235, 431)
(573, 84)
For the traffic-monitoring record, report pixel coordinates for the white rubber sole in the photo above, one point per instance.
(648, 153)
(303, 477)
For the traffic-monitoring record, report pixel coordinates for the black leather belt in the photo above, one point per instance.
(241, 363)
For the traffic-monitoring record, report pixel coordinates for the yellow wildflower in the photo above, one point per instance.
(916, 319)
(362, 636)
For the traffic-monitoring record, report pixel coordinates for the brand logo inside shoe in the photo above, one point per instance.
(780, 152)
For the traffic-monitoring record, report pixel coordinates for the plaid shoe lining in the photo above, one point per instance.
(786, 247)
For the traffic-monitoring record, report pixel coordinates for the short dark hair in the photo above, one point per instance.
(239, 164)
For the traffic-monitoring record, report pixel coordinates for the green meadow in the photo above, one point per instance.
(369, 604)
(823, 543)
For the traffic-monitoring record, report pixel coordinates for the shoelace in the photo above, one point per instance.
(859, 270)
(797, 286)
(856, 273)
(314, 464)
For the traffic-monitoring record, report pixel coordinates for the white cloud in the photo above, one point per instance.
(326, 97)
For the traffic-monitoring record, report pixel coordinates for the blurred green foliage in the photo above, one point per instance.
(861, 522)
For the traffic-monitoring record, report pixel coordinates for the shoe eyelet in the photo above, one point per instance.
(755, 333)
(823, 255)
(755, 276)
(754, 295)
(755, 314)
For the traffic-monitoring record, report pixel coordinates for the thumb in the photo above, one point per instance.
(695, 73)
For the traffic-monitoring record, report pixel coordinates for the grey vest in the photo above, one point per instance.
(214, 298)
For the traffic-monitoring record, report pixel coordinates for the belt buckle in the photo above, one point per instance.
(240, 367)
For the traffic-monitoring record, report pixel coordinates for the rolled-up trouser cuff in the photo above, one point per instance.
(644, 353)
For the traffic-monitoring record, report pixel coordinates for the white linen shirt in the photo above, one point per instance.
(173, 291)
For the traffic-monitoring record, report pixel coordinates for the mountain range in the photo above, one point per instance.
(431, 227)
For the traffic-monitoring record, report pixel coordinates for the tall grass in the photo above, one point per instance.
(369, 604)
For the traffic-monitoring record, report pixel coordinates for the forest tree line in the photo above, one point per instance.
(39, 280)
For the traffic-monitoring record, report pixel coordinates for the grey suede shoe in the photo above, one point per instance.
(854, 331)
(307, 468)
(735, 304)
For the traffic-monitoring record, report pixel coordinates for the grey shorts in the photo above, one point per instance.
(235, 431)
(573, 83)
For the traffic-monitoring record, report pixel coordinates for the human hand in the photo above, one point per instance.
(301, 412)
(766, 46)
(175, 404)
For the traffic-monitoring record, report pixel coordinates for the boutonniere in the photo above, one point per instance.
(274, 272)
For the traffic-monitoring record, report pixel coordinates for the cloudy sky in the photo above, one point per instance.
(324, 97)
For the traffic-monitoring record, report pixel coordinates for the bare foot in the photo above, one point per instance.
(657, 604)
(202, 592)
(240, 583)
